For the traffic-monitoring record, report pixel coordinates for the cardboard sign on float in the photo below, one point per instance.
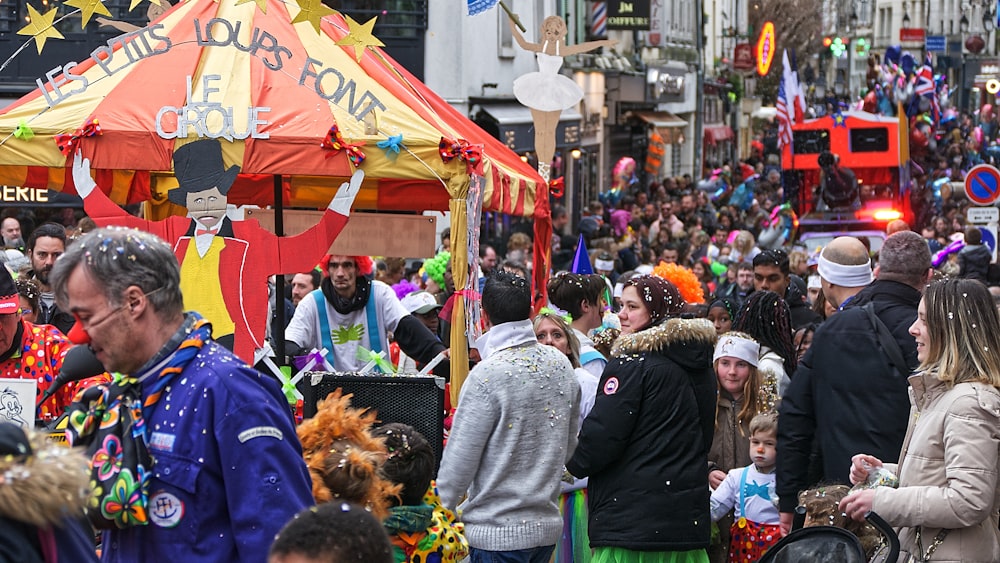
(366, 234)
(225, 264)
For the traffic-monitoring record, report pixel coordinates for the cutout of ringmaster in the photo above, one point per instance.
(225, 263)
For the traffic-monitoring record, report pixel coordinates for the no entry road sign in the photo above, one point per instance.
(982, 184)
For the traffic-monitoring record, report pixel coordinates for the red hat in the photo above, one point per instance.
(364, 264)
(10, 301)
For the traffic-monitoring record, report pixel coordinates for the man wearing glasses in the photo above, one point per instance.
(227, 469)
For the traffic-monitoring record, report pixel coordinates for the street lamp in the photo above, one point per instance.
(977, 21)
(906, 19)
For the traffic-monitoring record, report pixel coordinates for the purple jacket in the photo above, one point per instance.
(228, 471)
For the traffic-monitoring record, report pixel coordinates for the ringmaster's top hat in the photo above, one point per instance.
(198, 167)
(10, 302)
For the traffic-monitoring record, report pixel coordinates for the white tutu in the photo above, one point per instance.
(547, 90)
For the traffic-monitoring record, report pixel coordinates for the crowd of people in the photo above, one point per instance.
(693, 380)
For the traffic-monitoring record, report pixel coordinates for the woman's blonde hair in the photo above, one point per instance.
(754, 398)
(571, 339)
(961, 322)
(743, 243)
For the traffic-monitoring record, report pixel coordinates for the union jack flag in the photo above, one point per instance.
(924, 88)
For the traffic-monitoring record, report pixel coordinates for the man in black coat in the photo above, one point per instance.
(847, 396)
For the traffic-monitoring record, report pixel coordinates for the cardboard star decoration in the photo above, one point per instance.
(312, 11)
(88, 8)
(262, 4)
(40, 27)
(360, 36)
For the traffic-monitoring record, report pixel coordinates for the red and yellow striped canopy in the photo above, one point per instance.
(229, 69)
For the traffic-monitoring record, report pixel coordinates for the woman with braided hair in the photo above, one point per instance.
(766, 317)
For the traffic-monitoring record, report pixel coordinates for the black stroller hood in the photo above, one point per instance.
(828, 544)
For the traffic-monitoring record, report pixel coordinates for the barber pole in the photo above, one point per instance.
(599, 20)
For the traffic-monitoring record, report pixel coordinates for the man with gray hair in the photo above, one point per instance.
(222, 459)
(850, 391)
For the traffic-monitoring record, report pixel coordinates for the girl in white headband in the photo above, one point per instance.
(740, 398)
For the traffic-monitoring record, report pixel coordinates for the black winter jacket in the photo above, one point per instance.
(801, 312)
(645, 443)
(845, 395)
(974, 262)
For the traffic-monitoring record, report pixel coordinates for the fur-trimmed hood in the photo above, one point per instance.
(688, 342)
(44, 487)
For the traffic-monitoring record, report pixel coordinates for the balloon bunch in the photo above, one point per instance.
(779, 228)
(942, 255)
(896, 80)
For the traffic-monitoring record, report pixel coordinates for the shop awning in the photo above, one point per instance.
(660, 118)
(716, 133)
(512, 124)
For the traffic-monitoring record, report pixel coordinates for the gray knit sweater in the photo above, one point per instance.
(513, 431)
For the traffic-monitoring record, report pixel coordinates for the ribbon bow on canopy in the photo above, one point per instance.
(336, 143)
(68, 143)
(557, 186)
(472, 155)
(391, 146)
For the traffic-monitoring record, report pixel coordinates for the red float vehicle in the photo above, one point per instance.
(866, 145)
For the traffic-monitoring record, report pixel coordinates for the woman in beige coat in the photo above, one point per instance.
(946, 506)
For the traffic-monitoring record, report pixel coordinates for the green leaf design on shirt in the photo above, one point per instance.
(345, 334)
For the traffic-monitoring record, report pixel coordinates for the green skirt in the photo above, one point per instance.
(622, 555)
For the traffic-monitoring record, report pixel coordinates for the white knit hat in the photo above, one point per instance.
(734, 345)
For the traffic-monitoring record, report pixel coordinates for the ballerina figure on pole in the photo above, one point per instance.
(547, 92)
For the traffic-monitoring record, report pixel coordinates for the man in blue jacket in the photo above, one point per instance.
(227, 469)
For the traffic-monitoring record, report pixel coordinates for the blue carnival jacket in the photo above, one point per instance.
(228, 471)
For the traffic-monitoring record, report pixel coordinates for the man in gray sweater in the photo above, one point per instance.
(513, 431)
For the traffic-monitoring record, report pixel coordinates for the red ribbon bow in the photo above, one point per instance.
(472, 155)
(199, 232)
(336, 143)
(68, 143)
(557, 186)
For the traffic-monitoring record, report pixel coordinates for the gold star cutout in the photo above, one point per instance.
(89, 8)
(311, 11)
(262, 4)
(137, 2)
(360, 36)
(40, 27)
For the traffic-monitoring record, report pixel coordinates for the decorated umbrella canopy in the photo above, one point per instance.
(295, 91)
